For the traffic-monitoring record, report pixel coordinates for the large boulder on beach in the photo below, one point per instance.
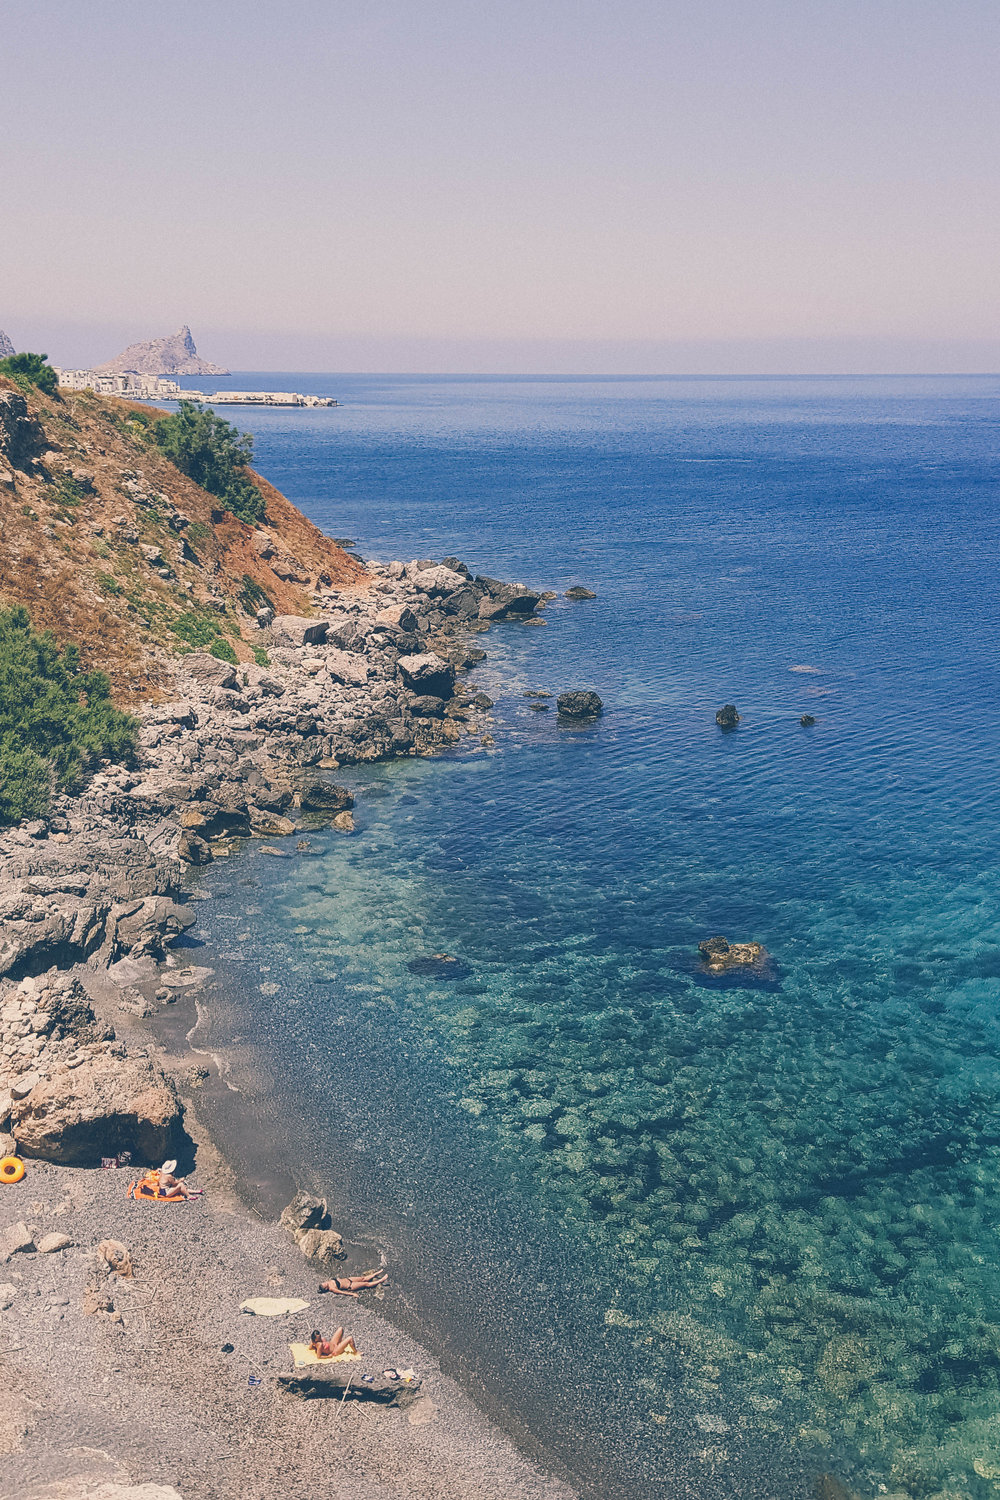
(105, 1106)
(427, 673)
(296, 630)
(579, 704)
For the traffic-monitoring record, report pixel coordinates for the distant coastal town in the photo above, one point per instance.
(145, 371)
(137, 387)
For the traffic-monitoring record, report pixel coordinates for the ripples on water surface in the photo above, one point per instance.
(713, 1235)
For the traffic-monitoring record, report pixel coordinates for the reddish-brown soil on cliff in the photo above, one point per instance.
(109, 546)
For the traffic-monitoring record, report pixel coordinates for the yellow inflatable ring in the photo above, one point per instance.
(11, 1169)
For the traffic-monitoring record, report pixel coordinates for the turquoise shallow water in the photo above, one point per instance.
(698, 1237)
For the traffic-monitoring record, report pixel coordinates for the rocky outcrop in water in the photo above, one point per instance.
(579, 592)
(727, 716)
(719, 954)
(579, 705)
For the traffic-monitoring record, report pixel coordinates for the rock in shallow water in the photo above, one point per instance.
(579, 704)
(439, 966)
(579, 592)
(727, 716)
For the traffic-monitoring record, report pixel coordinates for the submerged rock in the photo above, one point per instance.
(439, 966)
(727, 717)
(579, 704)
(719, 954)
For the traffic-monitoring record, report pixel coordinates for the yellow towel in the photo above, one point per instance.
(303, 1355)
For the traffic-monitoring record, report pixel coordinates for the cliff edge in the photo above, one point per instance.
(106, 543)
(174, 355)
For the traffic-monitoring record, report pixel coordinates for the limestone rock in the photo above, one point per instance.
(174, 354)
(304, 1212)
(15, 1240)
(579, 704)
(344, 667)
(50, 1243)
(344, 822)
(115, 1256)
(296, 630)
(440, 580)
(104, 1106)
(426, 673)
(321, 1245)
(324, 796)
(193, 849)
(400, 616)
(719, 954)
(209, 670)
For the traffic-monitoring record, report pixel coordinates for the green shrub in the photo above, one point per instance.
(213, 453)
(260, 656)
(31, 369)
(252, 597)
(223, 650)
(56, 721)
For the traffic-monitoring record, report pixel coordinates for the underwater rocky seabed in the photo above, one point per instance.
(748, 1230)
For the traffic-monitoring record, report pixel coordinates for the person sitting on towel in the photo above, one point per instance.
(341, 1343)
(350, 1286)
(169, 1186)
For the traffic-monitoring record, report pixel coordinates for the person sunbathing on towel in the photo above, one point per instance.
(169, 1186)
(341, 1343)
(350, 1286)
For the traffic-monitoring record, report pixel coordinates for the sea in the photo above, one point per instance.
(684, 1234)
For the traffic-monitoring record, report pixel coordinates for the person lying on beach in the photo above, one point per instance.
(350, 1286)
(341, 1343)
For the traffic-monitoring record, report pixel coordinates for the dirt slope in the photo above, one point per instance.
(108, 545)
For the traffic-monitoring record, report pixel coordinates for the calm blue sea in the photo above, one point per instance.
(691, 1237)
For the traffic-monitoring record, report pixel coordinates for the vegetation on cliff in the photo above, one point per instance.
(213, 453)
(108, 543)
(28, 370)
(56, 721)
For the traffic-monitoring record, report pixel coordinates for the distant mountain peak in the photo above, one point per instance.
(173, 355)
(6, 347)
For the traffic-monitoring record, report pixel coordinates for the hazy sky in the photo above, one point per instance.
(537, 185)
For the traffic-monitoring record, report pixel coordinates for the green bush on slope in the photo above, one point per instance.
(30, 369)
(55, 720)
(213, 453)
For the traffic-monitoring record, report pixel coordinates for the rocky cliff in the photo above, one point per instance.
(105, 542)
(174, 355)
(6, 347)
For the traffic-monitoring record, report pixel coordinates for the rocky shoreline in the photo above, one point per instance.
(92, 896)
